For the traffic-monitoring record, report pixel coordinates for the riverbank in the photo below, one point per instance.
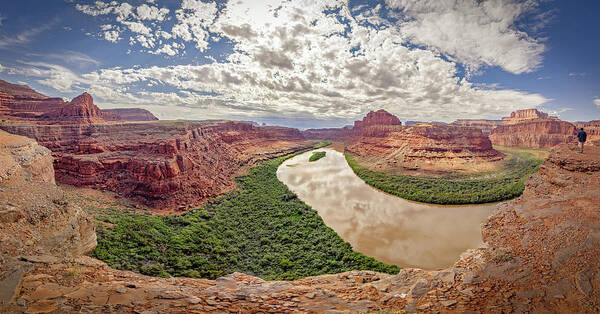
(261, 229)
(505, 184)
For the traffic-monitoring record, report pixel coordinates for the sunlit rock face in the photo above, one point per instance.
(128, 114)
(35, 217)
(161, 164)
(534, 133)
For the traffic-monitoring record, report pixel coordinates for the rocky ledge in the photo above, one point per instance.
(540, 254)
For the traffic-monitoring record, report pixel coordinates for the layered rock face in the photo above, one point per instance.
(485, 126)
(526, 128)
(425, 147)
(540, 255)
(526, 114)
(22, 104)
(161, 164)
(381, 143)
(128, 114)
(79, 110)
(377, 118)
(35, 217)
(538, 133)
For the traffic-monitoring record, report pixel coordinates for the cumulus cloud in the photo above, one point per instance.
(473, 32)
(309, 60)
(597, 102)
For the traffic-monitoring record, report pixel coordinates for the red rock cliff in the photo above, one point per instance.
(541, 133)
(79, 110)
(376, 118)
(425, 147)
(162, 164)
(128, 114)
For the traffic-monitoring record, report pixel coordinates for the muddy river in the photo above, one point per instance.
(386, 227)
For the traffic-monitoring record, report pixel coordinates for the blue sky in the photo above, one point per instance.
(310, 63)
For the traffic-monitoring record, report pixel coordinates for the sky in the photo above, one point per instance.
(304, 63)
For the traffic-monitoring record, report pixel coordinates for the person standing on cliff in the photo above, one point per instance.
(581, 136)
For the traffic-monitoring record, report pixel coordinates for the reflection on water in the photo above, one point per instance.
(391, 229)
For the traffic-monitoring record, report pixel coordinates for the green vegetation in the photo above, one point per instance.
(458, 189)
(316, 156)
(262, 229)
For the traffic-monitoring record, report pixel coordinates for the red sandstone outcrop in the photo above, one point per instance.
(20, 91)
(425, 147)
(526, 114)
(527, 128)
(128, 114)
(540, 255)
(534, 133)
(379, 117)
(21, 103)
(381, 143)
(486, 126)
(35, 218)
(79, 110)
(162, 164)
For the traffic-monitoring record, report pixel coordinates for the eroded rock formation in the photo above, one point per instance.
(128, 114)
(540, 255)
(21, 103)
(35, 217)
(526, 128)
(486, 126)
(79, 110)
(425, 147)
(534, 133)
(161, 164)
(381, 143)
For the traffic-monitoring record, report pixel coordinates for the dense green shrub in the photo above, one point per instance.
(504, 185)
(262, 229)
(316, 156)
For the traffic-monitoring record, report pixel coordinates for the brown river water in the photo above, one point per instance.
(386, 227)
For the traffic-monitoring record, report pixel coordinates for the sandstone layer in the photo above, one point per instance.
(486, 126)
(537, 133)
(128, 114)
(34, 215)
(526, 128)
(381, 143)
(163, 164)
(22, 104)
(540, 255)
(425, 147)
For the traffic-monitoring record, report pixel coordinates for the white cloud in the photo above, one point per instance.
(473, 32)
(597, 102)
(112, 36)
(577, 74)
(295, 60)
(23, 37)
(146, 12)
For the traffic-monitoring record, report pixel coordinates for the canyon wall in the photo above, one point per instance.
(526, 128)
(425, 147)
(486, 126)
(128, 114)
(21, 103)
(164, 165)
(381, 143)
(540, 133)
